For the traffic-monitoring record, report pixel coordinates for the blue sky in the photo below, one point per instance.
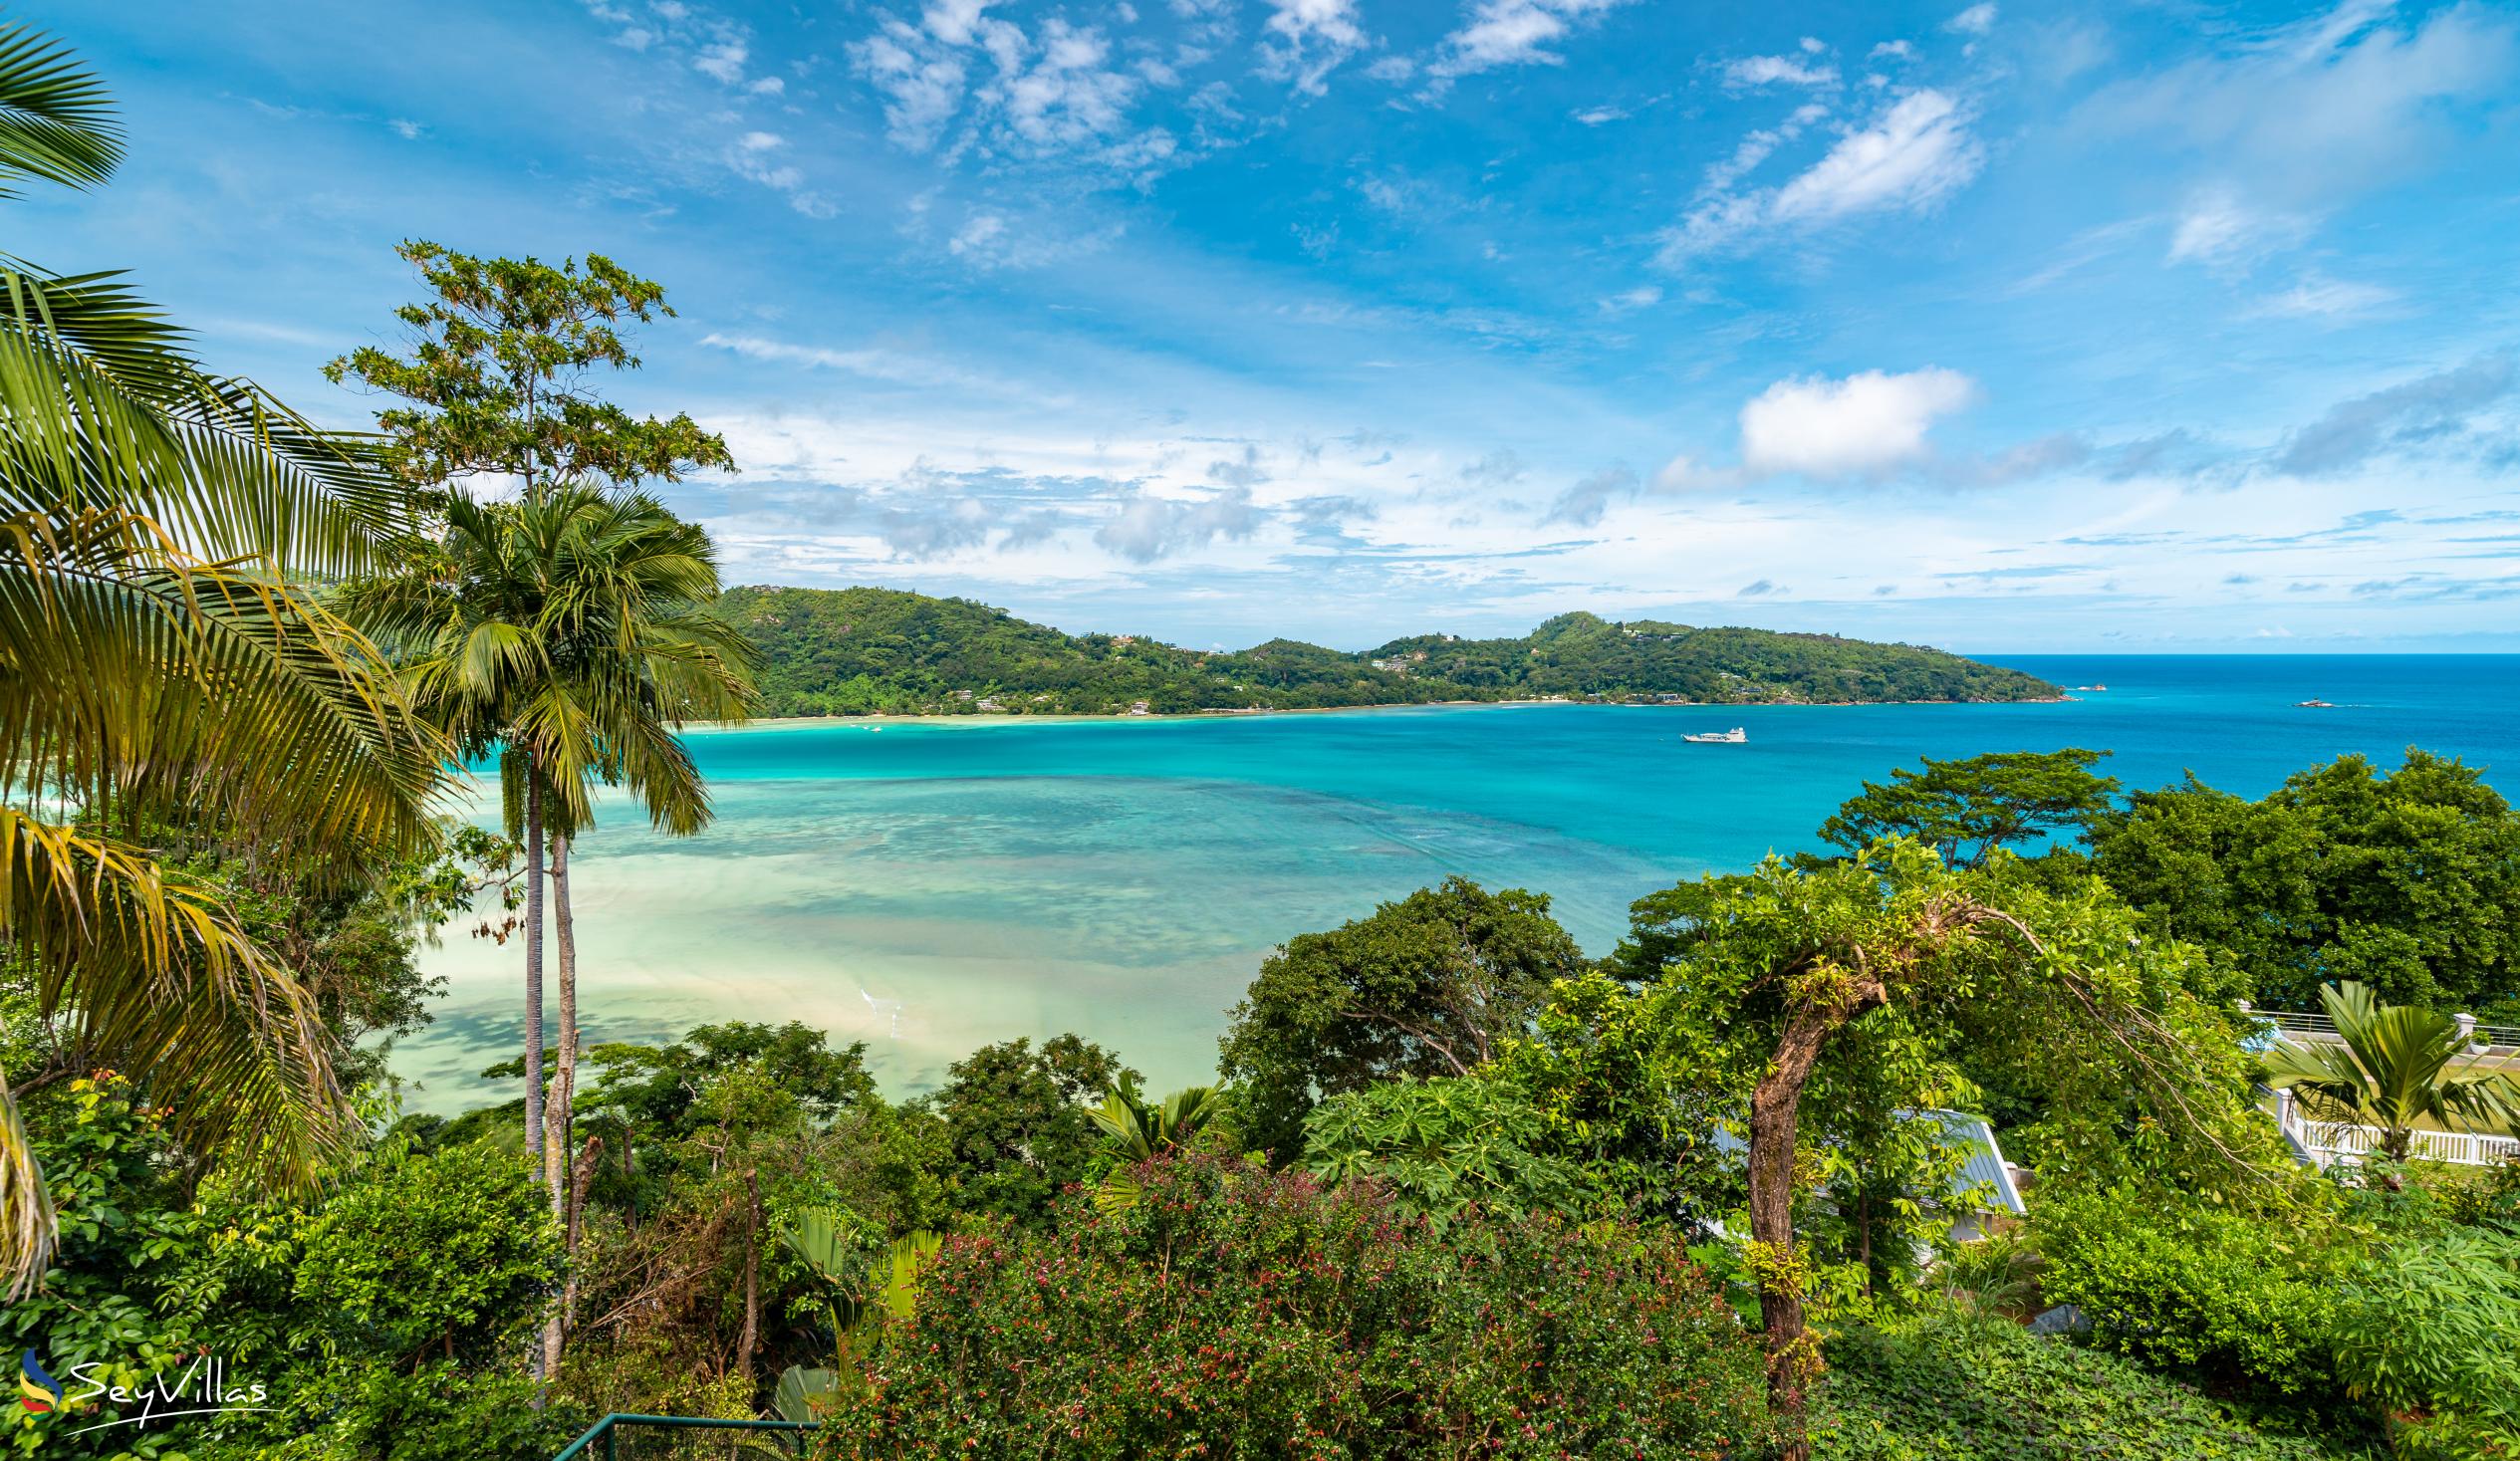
(2005, 326)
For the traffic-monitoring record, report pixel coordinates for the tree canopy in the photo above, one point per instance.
(2406, 881)
(1968, 808)
(1425, 986)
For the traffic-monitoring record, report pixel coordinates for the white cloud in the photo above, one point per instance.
(1863, 426)
(1070, 96)
(1512, 33)
(2316, 296)
(723, 60)
(1914, 154)
(1641, 297)
(1756, 146)
(922, 85)
(1917, 153)
(2294, 120)
(874, 362)
(2216, 227)
(754, 158)
(1598, 115)
(1058, 95)
(1149, 528)
(979, 236)
(1977, 20)
(954, 21)
(1761, 71)
(1893, 51)
(1307, 39)
(406, 128)
(769, 86)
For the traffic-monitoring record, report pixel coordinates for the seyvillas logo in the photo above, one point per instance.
(38, 1392)
(200, 1388)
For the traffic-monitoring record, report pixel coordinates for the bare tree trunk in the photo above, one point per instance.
(557, 1132)
(534, 993)
(533, 959)
(573, 1228)
(558, 1122)
(752, 1274)
(1774, 1104)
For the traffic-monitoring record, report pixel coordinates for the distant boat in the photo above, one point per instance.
(2090, 688)
(1732, 737)
(2315, 704)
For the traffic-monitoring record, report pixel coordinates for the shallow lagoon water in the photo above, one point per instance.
(931, 888)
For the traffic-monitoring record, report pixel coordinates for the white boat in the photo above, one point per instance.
(1732, 737)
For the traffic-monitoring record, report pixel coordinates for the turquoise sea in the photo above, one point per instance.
(929, 887)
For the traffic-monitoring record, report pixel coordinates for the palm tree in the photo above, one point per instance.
(2391, 1066)
(1135, 1131)
(160, 666)
(569, 635)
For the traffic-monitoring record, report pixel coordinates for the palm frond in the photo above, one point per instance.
(56, 121)
(102, 409)
(205, 689)
(154, 971)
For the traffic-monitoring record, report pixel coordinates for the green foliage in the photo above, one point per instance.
(167, 664)
(2431, 1331)
(2487, 1199)
(1427, 986)
(854, 652)
(2235, 1297)
(436, 1411)
(2394, 1068)
(1135, 1131)
(1446, 1147)
(1968, 808)
(1237, 1313)
(1618, 1093)
(500, 355)
(1937, 1388)
(1017, 1128)
(343, 1311)
(449, 1254)
(2406, 881)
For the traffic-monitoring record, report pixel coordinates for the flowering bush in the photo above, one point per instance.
(1235, 1312)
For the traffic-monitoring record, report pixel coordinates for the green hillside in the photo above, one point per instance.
(852, 651)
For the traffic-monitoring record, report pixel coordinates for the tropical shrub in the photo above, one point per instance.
(2431, 1332)
(379, 1322)
(1444, 1147)
(2233, 1297)
(1939, 1385)
(447, 1255)
(2491, 1199)
(1237, 1313)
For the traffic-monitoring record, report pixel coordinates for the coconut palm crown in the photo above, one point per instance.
(163, 666)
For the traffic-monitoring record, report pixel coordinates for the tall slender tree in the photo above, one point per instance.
(496, 384)
(159, 665)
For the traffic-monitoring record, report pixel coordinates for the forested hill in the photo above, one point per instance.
(844, 652)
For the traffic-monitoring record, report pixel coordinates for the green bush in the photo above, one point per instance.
(1940, 1385)
(1443, 1146)
(2236, 1299)
(2431, 1331)
(448, 1255)
(1237, 1313)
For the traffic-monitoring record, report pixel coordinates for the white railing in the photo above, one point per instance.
(2320, 1027)
(2325, 1144)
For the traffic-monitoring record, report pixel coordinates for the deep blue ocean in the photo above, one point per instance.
(930, 887)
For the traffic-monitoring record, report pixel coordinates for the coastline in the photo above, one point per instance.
(974, 720)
